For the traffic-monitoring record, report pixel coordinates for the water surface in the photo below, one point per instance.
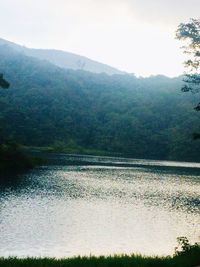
(124, 206)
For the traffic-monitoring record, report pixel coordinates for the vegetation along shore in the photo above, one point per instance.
(186, 259)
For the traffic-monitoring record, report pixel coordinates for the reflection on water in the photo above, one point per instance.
(70, 210)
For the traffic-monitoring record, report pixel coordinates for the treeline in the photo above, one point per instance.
(77, 110)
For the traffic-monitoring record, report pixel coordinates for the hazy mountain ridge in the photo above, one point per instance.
(64, 59)
(142, 117)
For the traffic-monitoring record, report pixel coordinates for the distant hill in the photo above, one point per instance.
(64, 59)
(76, 110)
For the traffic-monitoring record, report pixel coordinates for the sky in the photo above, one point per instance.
(137, 36)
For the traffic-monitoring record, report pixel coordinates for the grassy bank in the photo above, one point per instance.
(187, 259)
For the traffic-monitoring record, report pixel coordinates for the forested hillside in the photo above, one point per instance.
(50, 106)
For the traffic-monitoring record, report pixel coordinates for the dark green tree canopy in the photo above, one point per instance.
(82, 112)
(3, 83)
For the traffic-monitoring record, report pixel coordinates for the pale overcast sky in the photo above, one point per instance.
(133, 35)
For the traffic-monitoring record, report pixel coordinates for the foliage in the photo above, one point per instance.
(80, 111)
(190, 33)
(188, 256)
(184, 247)
(183, 260)
(12, 157)
(3, 83)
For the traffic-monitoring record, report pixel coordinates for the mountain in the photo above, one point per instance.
(77, 110)
(63, 59)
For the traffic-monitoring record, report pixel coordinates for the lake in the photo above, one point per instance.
(99, 205)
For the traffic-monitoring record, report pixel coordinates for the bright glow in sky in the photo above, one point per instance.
(133, 35)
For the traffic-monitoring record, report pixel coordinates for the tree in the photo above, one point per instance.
(3, 83)
(190, 34)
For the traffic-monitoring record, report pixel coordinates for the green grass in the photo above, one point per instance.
(185, 259)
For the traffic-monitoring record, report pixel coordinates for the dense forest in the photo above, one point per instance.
(76, 110)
